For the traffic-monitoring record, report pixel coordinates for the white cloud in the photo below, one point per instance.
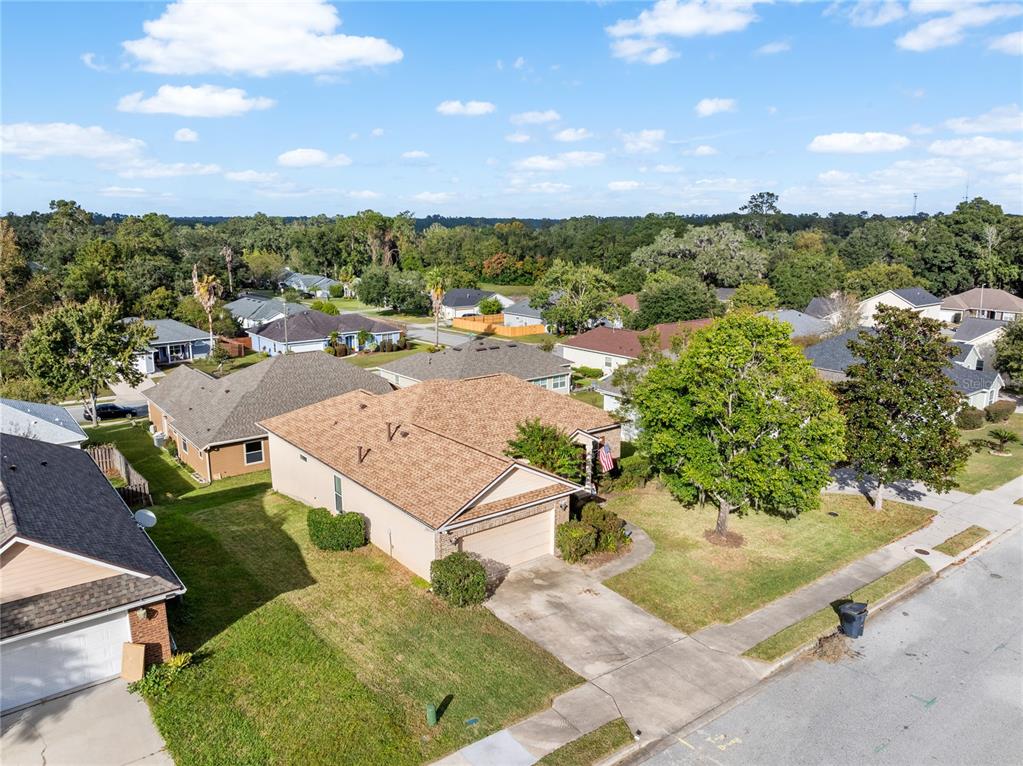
(977, 146)
(415, 154)
(858, 143)
(549, 187)
(260, 39)
(643, 141)
(466, 109)
(122, 191)
(186, 135)
(250, 176)
(949, 30)
(623, 185)
(146, 168)
(39, 140)
(1001, 119)
(543, 162)
(572, 134)
(89, 59)
(703, 150)
(639, 39)
(706, 107)
(434, 198)
(377, 132)
(307, 158)
(667, 169)
(779, 46)
(363, 194)
(192, 101)
(535, 118)
(1011, 44)
(582, 159)
(872, 13)
(517, 138)
(520, 62)
(645, 51)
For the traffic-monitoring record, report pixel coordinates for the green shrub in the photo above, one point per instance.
(637, 468)
(172, 448)
(159, 678)
(547, 344)
(489, 307)
(336, 532)
(337, 291)
(609, 525)
(575, 539)
(459, 579)
(970, 418)
(999, 412)
(588, 372)
(325, 307)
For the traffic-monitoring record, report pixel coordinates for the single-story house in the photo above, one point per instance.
(524, 314)
(608, 348)
(630, 301)
(981, 334)
(482, 356)
(724, 294)
(45, 422)
(425, 466)
(460, 301)
(313, 285)
(310, 330)
(914, 299)
(78, 576)
(832, 358)
(612, 403)
(254, 310)
(212, 421)
(803, 325)
(174, 342)
(982, 303)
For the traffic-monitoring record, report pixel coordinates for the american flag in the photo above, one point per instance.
(607, 463)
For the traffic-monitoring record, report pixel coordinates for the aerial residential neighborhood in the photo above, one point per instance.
(482, 384)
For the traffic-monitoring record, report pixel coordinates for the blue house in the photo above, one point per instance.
(311, 331)
(174, 342)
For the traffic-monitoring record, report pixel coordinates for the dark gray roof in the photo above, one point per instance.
(724, 294)
(523, 308)
(605, 386)
(962, 350)
(802, 324)
(973, 328)
(46, 420)
(307, 282)
(460, 297)
(315, 325)
(482, 356)
(173, 331)
(969, 381)
(58, 496)
(821, 307)
(256, 308)
(917, 296)
(208, 410)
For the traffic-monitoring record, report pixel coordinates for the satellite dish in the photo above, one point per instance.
(145, 518)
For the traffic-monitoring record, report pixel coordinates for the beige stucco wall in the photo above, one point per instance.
(229, 460)
(195, 458)
(26, 570)
(392, 530)
(585, 358)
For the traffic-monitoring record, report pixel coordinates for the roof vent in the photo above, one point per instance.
(13, 467)
(42, 463)
(392, 431)
(363, 405)
(363, 453)
(404, 434)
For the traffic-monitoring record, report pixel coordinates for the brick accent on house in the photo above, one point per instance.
(449, 543)
(152, 631)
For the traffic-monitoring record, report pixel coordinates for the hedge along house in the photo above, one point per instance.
(482, 356)
(425, 466)
(213, 421)
(311, 331)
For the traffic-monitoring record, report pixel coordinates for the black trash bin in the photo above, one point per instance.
(852, 617)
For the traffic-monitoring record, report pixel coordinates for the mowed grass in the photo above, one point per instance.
(592, 747)
(987, 471)
(956, 544)
(383, 357)
(825, 621)
(211, 367)
(166, 478)
(691, 583)
(310, 656)
(590, 397)
(509, 291)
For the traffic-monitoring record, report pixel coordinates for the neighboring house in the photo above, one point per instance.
(523, 314)
(78, 576)
(803, 325)
(983, 303)
(725, 294)
(608, 348)
(425, 466)
(460, 301)
(979, 387)
(482, 356)
(174, 342)
(45, 422)
(254, 310)
(313, 285)
(630, 301)
(981, 334)
(914, 299)
(311, 330)
(213, 421)
(824, 307)
(612, 403)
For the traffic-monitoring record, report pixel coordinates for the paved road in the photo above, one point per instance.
(425, 333)
(938, 679)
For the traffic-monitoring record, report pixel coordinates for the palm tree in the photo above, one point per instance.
(228, 255)
(436, 283)
(1002, 438)
(207, 291)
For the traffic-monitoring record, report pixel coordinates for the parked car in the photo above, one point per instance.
(110, 411)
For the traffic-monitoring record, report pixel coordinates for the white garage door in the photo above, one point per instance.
(42, 666)
(514, 543)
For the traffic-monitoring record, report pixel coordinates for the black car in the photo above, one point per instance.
(110, 411)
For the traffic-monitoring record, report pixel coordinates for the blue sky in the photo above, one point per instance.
(505, 109)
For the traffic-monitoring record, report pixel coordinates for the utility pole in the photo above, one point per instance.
(284, 298)
(914, 204)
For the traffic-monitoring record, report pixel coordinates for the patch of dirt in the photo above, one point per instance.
(727, 540)
(832, 648)
(599, 558)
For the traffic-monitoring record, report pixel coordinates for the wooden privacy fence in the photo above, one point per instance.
(493, 324)
(110, 460)
(235, 346)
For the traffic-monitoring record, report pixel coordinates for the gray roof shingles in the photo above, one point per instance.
(461, 297)
(50, 413)
(173, 331)
(523, 308)
(917, 296)
(802, 324)
(315, 325)
(482, 356)
(973, 328)
(259, 309)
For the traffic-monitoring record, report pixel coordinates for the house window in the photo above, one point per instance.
(184, 444)
(607, 361)
(980, 364)
(303, 458)
(253, 452)
(339, 502)
(559, 382)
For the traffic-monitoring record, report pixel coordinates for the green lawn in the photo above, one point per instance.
(375, 360)
(230, 365)
(167, 479)
(590, 397)
(691, 583)
(310, 656)
(343, 304)
(824, 621)
(509, 291)
(987, 471)
(592, 747)
(956, 544)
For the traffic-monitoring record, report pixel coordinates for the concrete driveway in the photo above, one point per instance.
(100, 725)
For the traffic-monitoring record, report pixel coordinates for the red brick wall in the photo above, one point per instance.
(152, 631)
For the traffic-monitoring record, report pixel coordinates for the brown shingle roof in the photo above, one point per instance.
(984, 298)
(523, 498)
(606, 340)
(630, 301)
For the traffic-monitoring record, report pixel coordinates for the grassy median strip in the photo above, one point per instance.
(592, 747)
(956, 544)
(822, 622)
